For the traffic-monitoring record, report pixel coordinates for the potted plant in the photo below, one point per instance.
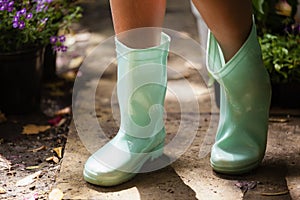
(279, 36)
(26, 27)
(281, 58)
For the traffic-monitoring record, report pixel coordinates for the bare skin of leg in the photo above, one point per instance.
(132, 14)
(230, 22)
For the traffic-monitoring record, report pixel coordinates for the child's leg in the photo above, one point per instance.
(131, 14)
(230, 22)
(142, 80)
(235, 61)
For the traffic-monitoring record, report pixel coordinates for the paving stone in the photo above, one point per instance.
(190, 176)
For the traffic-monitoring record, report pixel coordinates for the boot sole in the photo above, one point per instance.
(235, 170)
(156, 153)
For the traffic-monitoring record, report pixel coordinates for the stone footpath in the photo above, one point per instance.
(191, 111)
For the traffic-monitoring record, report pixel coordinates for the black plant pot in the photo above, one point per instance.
(20, 80)
(286, 95)
(49, 70)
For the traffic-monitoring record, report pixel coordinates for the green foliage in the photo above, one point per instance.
(274, 16)
(279, 37)
(258, 5)
(48, 18)
(281, 57)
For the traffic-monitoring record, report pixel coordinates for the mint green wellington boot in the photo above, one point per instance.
(244, 106)
(141, 89)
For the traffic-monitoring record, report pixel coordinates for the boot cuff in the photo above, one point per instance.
(143, 54)
(215, 59)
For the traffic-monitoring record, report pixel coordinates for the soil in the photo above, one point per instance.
(22, 155)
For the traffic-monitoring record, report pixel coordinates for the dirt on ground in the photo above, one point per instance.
(32, 145)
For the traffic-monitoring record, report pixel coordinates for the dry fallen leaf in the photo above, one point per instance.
(28, 179)
(38, 149)
(64, 111)
(49, 158)
(56, 194)
(55, 120)
(58, 151)
(278, 120)
(32, 167)
(275, 193)
(61, 122)
(53, 158)
(2, 190)
(31, 129)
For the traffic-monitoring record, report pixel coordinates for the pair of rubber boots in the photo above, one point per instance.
(142, 80)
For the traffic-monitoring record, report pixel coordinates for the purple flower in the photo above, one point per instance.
(62, 38)
(42, 5)
(56, 48)
(29, 16)
(64, 48)
(39, 8)
(23, 11)
(53, 39)
(43, 21)
(22, 25)
(11, 4)
(3, 7)
(15, 19)
(10, 9)
(18, 14)
(15, 24)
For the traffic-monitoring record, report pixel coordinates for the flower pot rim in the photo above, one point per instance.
(22, 51)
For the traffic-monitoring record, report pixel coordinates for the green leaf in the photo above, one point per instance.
(258, 5)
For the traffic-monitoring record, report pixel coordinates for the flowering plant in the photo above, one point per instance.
(31, 23)
(276, 16)
(279, 37)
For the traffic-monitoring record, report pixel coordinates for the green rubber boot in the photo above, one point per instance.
(141, 89)
(244, 106)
